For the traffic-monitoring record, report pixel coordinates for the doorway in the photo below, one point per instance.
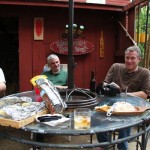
(9, 57)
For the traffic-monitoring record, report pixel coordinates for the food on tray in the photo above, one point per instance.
(10, 100)
(117, 107)
(17, 112)
(2, 113)
(25, 104)
(102, 108)
(19, 108)
(123, 107)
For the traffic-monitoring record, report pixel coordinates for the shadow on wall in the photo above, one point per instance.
(12, 88)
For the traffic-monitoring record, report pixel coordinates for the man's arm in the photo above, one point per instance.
(139, 94)
(2, 83)
(2, 88)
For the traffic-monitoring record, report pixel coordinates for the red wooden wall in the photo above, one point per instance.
(33, 54)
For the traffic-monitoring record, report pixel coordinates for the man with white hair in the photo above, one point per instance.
(56, 75)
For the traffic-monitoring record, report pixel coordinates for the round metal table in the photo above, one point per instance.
(100, 123)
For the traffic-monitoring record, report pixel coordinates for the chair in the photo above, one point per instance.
(47, 68)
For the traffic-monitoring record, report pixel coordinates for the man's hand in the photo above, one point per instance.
(114, 84)
(60, 87)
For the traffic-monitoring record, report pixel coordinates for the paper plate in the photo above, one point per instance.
(138, 110)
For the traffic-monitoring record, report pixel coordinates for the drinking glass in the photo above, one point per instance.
(82, 118)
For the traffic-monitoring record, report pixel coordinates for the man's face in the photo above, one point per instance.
(132, 60)
(54, 64)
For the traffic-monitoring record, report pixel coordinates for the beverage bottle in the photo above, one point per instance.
(80, 30)
(75, 33)
(66, 30)
(92, 82)
(74, 28)
(65, 34)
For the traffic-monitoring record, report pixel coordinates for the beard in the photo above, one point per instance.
(56, 72)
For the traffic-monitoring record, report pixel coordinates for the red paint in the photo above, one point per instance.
(33, 54)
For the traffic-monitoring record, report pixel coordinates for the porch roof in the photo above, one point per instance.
(110, 5)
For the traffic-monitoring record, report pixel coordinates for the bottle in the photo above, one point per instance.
(75, 34)
(66, 29)
(92, 82)
(74, 28)
(80, 30)
(65, 34)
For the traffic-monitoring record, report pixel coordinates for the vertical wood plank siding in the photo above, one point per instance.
(33, 54)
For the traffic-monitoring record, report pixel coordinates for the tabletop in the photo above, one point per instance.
(99, 123)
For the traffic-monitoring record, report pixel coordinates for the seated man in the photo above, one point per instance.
(128, 76)
(57, 76)
(2, 83)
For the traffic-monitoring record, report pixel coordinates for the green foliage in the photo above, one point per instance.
(141, 25)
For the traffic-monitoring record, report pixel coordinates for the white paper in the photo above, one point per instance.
(96, 1)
